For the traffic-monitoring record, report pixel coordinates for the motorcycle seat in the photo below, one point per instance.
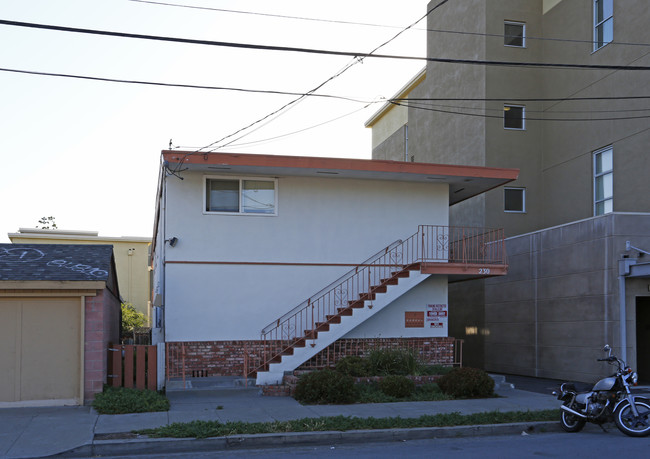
(578, 387)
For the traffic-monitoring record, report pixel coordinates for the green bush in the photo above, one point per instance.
(325, 386)
(397, 386)
(384, 362)
(435, 369)
(120, 400)
(353, 365)
(467, 382)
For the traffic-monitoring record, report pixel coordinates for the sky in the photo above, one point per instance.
(88, 152)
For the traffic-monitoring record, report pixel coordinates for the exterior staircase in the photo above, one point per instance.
(361, 293)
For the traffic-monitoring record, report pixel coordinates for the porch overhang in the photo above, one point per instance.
(464, 181)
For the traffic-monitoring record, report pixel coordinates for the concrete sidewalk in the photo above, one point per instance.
(80, 431)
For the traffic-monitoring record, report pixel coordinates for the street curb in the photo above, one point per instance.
(134, 447)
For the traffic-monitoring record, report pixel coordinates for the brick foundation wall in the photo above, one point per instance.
(227, 358)
(102, 313)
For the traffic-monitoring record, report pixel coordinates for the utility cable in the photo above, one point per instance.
(348, 66)
(330, 96)
(356, 55)
(181, 85)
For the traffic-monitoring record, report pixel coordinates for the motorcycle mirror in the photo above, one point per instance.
(607, 348)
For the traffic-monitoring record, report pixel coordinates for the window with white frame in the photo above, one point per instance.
(514, 199)
(604, 181)
(514, 117)
(603, 22)
(514, 34)
(257, 196)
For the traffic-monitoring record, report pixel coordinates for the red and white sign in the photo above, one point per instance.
(437, 315)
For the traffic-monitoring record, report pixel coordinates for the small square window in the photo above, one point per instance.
(514, 117)
(514, 199)
(514, 34)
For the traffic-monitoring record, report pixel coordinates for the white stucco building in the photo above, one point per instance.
(257, 257)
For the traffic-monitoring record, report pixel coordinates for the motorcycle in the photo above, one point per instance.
(609, 400)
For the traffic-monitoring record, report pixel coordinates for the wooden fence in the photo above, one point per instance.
(132, 366)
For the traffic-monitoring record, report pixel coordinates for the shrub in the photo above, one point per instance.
(353, 365)
(467, 382)
(325, 386)
(392, 362)
(435, 369)
(121, 400)
(397, 386)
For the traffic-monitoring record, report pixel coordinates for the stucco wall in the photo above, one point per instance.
(320, 221)
(558, 305)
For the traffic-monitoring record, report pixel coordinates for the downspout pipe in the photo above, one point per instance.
(624, 268)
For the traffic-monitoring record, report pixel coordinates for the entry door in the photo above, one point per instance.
(643, 338)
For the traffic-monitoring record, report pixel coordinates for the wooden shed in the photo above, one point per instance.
(59, 310)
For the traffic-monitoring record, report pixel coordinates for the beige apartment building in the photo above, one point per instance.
(131, 259)
(557, 89)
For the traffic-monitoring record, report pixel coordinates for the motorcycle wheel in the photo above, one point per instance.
(571, 422)
(630, 424)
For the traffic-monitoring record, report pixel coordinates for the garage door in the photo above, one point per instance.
(41, 350)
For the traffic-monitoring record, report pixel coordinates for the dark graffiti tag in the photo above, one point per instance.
(20, 255)
(78, 268)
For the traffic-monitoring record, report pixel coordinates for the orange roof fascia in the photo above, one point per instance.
(315, 162)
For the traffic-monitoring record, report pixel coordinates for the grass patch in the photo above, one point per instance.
(203, 429)
(121, 400)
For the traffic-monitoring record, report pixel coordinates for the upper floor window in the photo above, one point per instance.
(603, 22)
(604, 181)
(240, 195)
(514, 34)
(514, 200)
(514, 117)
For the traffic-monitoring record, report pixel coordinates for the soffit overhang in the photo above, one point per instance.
(464, 181)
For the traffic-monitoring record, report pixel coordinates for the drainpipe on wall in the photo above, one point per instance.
(623, 271)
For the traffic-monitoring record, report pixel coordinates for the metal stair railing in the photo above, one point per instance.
(432, 243)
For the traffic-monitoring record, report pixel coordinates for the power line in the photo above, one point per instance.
(269, 139)
(347, 67)
(367, 24)
(182, 85)
(327, 96)
(356, 55)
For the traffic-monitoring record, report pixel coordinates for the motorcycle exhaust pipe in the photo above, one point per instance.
(566, 408)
